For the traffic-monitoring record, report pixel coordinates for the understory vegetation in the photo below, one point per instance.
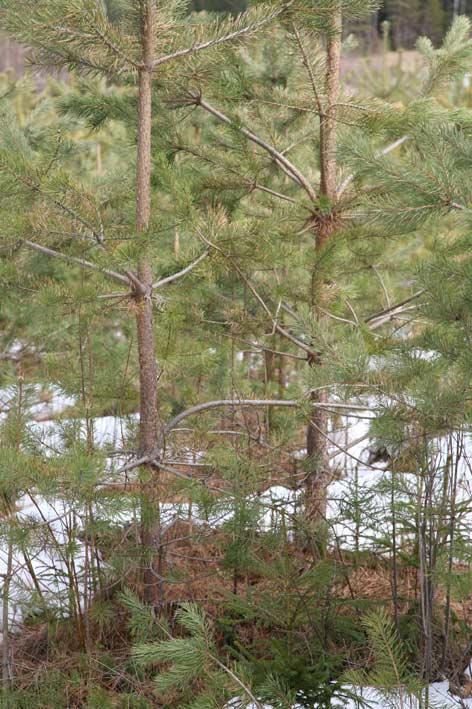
(235, 359)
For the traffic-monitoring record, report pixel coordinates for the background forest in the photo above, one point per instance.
(235, 354)
(409, 19)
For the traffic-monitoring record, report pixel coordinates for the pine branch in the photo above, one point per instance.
(108, 42)
(281, 330)
(221, 403)
(180, 274)
(138, 286)
(253, 184)
(70, 34)
(288, 167)
(392, 309)
(307, 64)
(97, 236)
(263, 348)
(388, 149)
(255, 703)
(82, 263)
(34, 185)
(344, 449)
(452, 59)
(249, 29)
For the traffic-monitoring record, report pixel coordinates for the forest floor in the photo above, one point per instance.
(193, 561)
(197, 569)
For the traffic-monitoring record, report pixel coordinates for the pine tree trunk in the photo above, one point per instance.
(149, 420)
(328, 162)
(319, 475)
(6, 649)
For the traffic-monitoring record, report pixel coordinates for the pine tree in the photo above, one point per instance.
(317, 219)
(323, 210)
(390, 671)
(126, 43)
(323, 88)
(424, 422)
